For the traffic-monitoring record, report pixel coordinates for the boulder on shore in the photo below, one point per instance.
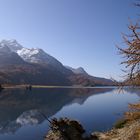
(65, 129)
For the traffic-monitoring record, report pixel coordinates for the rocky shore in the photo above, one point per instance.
(126, 129)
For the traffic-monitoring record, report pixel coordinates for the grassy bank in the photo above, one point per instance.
(126, 129)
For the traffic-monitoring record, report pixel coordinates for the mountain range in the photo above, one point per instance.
(20, 65)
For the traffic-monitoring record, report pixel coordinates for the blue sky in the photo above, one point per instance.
(76, 32)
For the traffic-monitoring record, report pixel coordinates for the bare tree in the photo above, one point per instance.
(131, 54)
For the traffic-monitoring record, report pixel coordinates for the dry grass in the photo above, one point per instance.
(131, 116)
(135, 106)
(134, 114)
(137, 134)
(128, 128)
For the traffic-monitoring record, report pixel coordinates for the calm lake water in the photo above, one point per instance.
(96, 108)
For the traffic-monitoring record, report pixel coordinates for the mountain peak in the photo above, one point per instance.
(78, 70)
(81, 70)
(4, 49)
(12, 44)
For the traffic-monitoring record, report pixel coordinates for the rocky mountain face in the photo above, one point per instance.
(8, 57)
(38, 56)
(20, 65)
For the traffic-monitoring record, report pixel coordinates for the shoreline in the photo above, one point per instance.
(45, 86)
(126, 129)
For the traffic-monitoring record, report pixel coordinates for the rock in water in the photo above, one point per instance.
(65, 129)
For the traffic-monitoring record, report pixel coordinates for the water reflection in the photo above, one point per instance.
(20, 107)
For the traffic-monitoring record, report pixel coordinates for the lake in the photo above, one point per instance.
(97, 109)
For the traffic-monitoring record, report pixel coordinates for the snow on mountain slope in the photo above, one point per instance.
(13, 45)
(36, 55)
(33, 55)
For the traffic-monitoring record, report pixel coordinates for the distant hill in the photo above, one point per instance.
(20, 65)
(79, 70)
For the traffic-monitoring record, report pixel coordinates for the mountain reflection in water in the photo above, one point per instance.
(21, 107)
(97, 109)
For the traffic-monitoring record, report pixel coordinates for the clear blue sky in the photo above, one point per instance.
(76, 32)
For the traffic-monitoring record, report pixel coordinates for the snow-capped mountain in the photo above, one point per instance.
(7, 55)
(36, 55)
(13, 45)
(33, 55)
(79, 70)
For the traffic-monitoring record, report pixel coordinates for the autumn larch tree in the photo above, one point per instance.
(131, 55)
